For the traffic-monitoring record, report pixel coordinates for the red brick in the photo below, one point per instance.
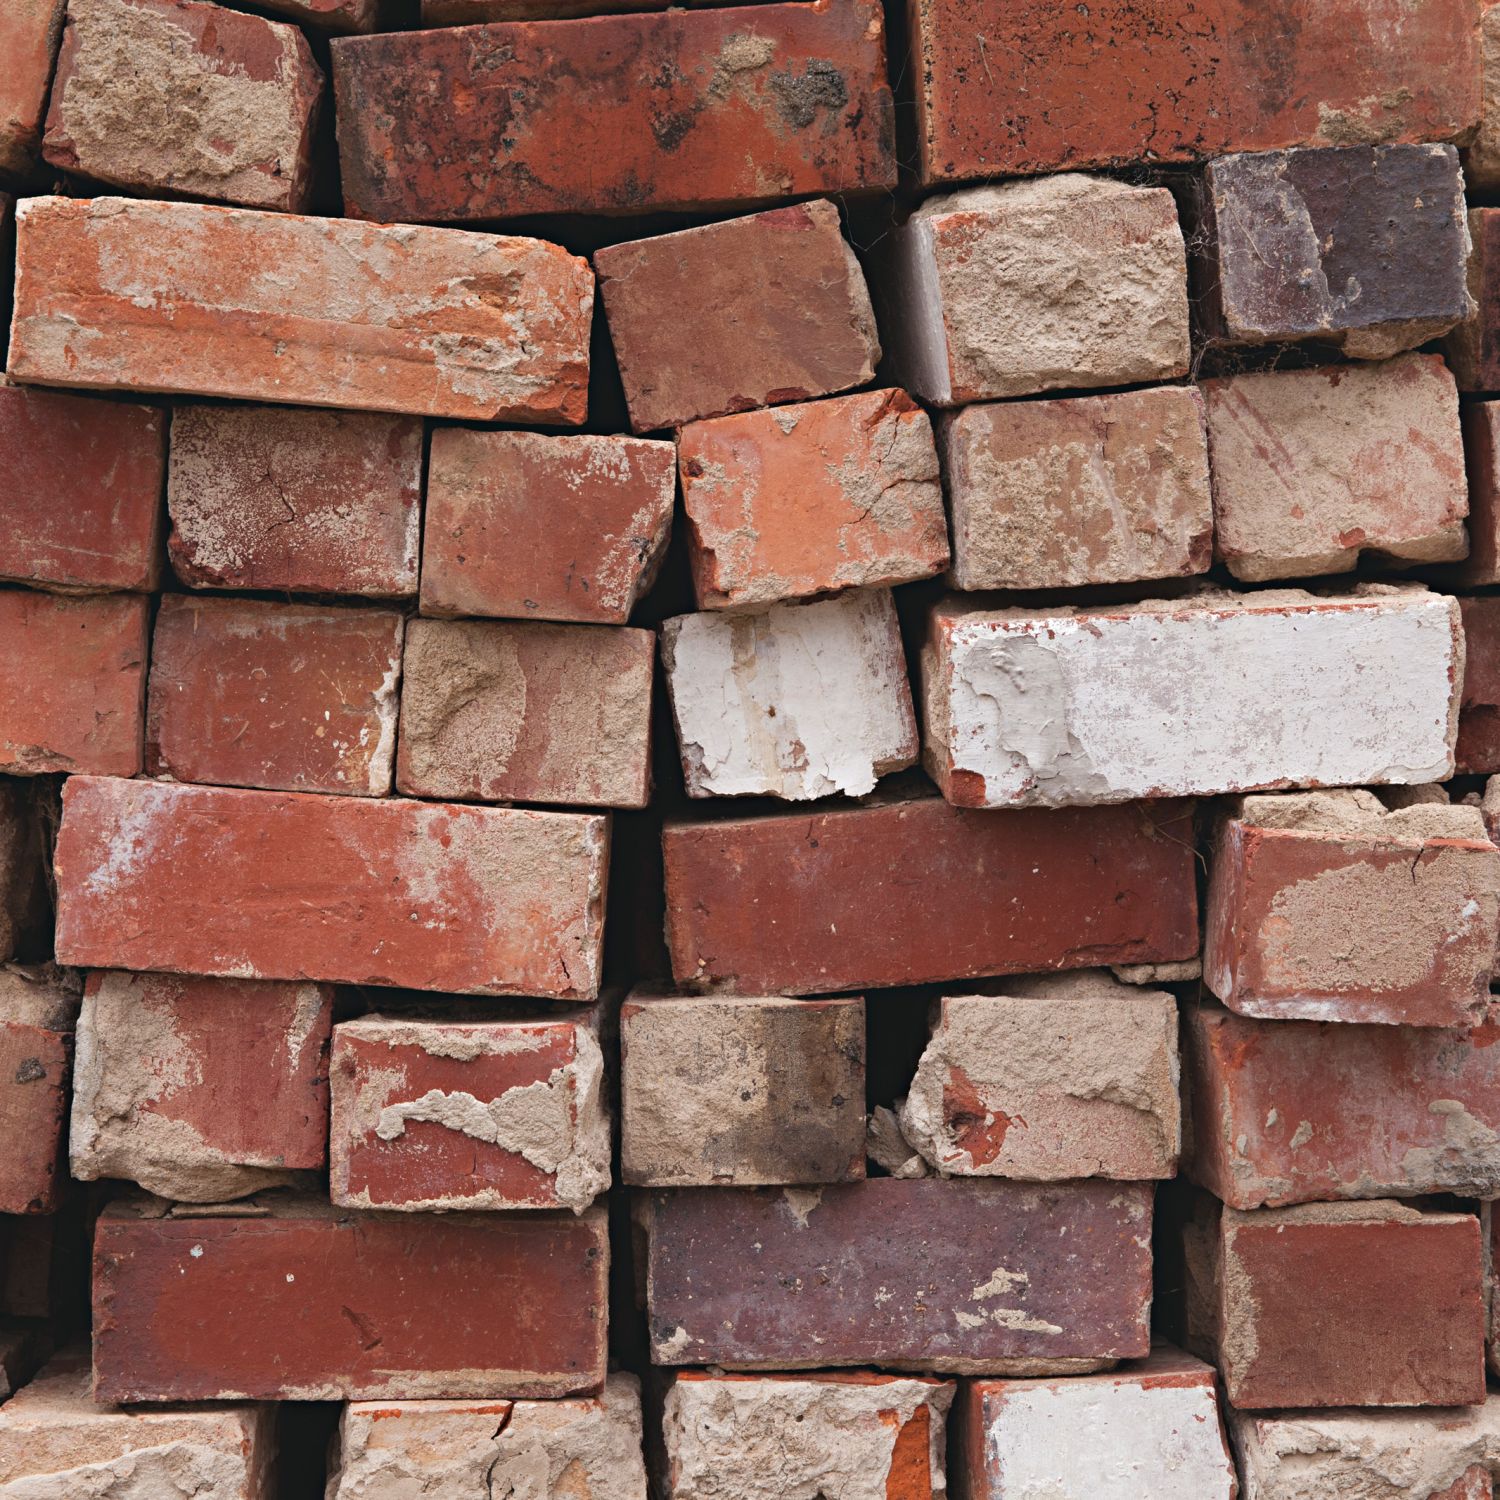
(1479, 711)
(933, 1275)
(913, 890)
(1298, 1111)
(29, 32)
(81, 504)
(177, 97)
(544, 528)
(1481, 429)
(25, 917)
(1329, 907)
(38, 1008)
(776, 301)
(200, 1090)
(291, 697)
(363, 1307)
(1482, 159)
(1019, 86)
(1338, 1304)
(516, 710)
(72, 682)
(473, 900)
(812, 499)
(432, 1115)
(127, 295)
(681, 109)
(311, 502)
(1473, 348)
(334, 15)
(467, 12)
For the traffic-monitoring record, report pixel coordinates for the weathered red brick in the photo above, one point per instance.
(812, 499)
(72, 682)
(437, 1115)
(38, 1008)
(544, 528)
(312, 502)
(1479, 713)
(81, 504)
(1298, 1111)
(200, 1089)
(472, 900)
(522, 711)
(776, 301)
(357, 1306)
(1481, 429)
(127, 295)
(1473, 348)
(1337, 1304)
(25, 916)
(290, 697)
(1329, 907)
(466, 12)
(743, 106)
(1018, 86)
(911, 890)
(334, 15)
(29, 32)
(178, 97)
(1482, 159)
(975, 1277)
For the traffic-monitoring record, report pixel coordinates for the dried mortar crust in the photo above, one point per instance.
(576, 1448)
(858, 1437)
(40, 995)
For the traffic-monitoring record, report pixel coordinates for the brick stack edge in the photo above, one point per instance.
(745, 751)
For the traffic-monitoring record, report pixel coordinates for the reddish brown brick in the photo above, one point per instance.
(1018, 86)
(776, 301)
(312, 502)
(1481, 429)
(334, 15)
(544, 528)
(291, 697)
(1482, 159)
(29, 32)
(927, 1274)
(466, 126)
(521, 711)
(362, 1306)
(72, 682)
(38, 1008)
(1296, 1111)
(472, 900)
(178, 97)
(1337, 1304)
(911, 890)
(81, 504)
(1473, 348)
(1479, 712)
(200, 1089)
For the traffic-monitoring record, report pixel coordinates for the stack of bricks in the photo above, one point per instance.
(1044, 461)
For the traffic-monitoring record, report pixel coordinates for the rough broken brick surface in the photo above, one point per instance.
(1073, 1075)
(1328, 907)
(81, 504)
(435, 322)
(911, 890)
(1479, 716)
(56, 1441)
(25, 913)
(544, 528)
(519, 710)
(797, 701)
(1473, 348)
(1363, 247)
(812, 499)
(1063, 283)
(1150, 1427)
(1312, 467)
(434, 1115)
(786, 1278)
(29, 32)
(1314, 1305)
(200, 1090)
(310, 502)
(1019, 86)
(365, 1307)
(471, 900)
(741, 1090)
(1296, 1112)
(583, 1446)
(72, 682)
(744, 107)
(776, 301)
(178, 97)
(795, 1437)
(1092, 489)
(1063, 706)
(291, 697)
(38, 1008)
(1482, 159)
